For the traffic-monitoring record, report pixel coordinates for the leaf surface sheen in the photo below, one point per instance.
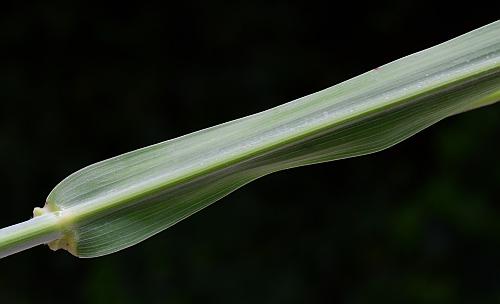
(121, 201)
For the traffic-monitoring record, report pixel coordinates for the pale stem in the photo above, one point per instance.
(36, 231)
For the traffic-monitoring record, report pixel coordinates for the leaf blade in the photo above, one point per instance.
(121, 201)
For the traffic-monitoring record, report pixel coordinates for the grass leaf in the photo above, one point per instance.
(121, 201)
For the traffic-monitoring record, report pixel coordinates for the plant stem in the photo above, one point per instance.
(36, 231)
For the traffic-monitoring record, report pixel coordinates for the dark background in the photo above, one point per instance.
(418, 223)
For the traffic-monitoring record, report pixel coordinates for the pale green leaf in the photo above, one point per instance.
(121, 201)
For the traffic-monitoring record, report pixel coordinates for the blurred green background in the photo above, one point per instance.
(418, 223)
